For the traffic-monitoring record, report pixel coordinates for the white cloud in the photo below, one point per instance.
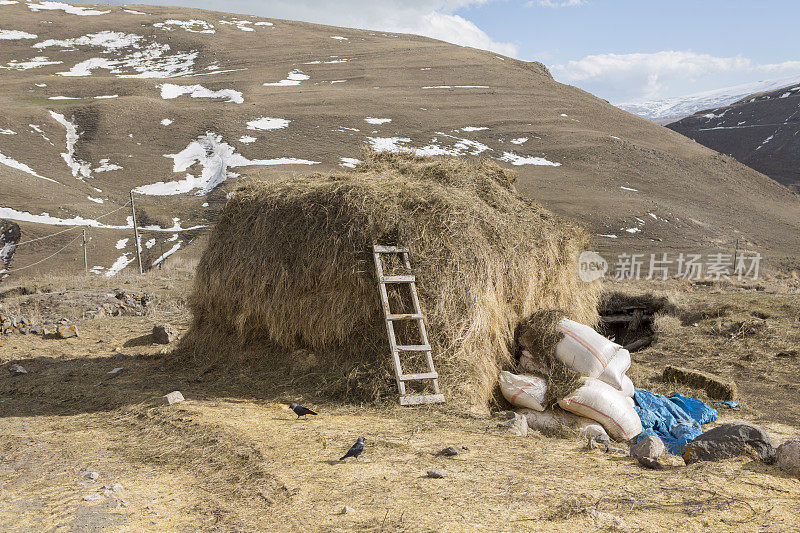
(431, 18)
(641, 76)
(557, 3)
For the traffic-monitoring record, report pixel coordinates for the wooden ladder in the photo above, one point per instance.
(417, 315)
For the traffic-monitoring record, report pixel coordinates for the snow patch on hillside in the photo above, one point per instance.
(349, 162)
(7, 132)
(214, 158)
(35, 62)
(15, 34)
(518, 160)
(267, 123)
(66, 8)
(378, 121)
(80, 169)
(519, 140)
(13, 163)
(192, 26)
(293, 78)
(243, 25)
(45, 218)
(170, 91)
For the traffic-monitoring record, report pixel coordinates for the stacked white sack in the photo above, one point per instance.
(523, 391)
(583, 349)
(600, 401)
(614, 373)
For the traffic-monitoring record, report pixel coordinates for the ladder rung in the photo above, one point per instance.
(417, 400)
(390, 249)
(414, 377)
(406, 316)
(414, 348)
(398, 279)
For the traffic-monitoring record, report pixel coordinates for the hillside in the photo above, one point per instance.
(760, 130)
(183, 105)
(669, 110)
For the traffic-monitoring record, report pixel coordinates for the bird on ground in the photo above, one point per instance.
(299, 410)
(355, 450)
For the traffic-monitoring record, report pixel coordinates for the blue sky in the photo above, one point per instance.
(620, 50)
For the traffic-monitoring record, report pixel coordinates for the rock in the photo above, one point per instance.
(649, 462)
(116, 487)
(730, 440)
(164, 334)
(92, 497)
(107, 493)
(37, 329)
(17, 370)
(650, 447)
(115, 371)
(66, 332)
(347, 510)
(788, 457)
(516, 426)
(436, 474)
(596, 432)
(450, 451)
(91, 475)
(172, 397)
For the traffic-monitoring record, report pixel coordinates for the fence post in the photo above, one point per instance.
(136, 236)
(85, 259)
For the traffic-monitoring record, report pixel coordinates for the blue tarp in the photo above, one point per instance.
(675, 420)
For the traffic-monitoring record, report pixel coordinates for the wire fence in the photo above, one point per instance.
(159, 262)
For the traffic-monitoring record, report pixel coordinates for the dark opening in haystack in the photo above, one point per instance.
(288, 270)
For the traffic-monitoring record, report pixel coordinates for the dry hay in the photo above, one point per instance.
(716, 388)
(288, 266)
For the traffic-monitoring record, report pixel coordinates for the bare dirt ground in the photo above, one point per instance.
(232, 457)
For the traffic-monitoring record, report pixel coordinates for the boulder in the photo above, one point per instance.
(66, 332)
(164, 334)
(650, 447)
(516, 426)
(436, 474)
(730, 440)
(172, 397)
(17, 370)
(788, 457)
(450, 451)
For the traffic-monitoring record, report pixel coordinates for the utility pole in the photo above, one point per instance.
(136, 236)
(85, 259)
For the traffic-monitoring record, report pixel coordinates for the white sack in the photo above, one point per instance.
(614, 372)
(523, 391)
(529, 364)
(605, 404)
(583, 349)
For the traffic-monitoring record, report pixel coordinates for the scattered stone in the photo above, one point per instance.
(37, 329)
(116, 487)
(436, 474)
(788, 457)
(730, 440)
(649, 462)
(450, 451)
(516, 426)
(347, 510)
(66, 332)
(92, 497)
(164, 334)
(596, 432)
(17, 370)
(107, 493)
(115, 371)
(91, 475)
(172, 397)
(650, 447)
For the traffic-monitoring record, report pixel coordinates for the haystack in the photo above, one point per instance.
(288, 270)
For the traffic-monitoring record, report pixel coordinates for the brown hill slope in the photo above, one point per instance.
(85, 89)
(762, 131)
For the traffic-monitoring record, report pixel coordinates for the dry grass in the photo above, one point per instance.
(289, 266)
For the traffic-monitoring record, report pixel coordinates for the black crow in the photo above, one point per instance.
(299, 410)
(356, 449)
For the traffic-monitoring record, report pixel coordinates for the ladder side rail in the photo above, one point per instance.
(398, 369)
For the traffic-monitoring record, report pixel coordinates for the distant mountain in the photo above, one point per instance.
(762, 131)
(672, 109)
